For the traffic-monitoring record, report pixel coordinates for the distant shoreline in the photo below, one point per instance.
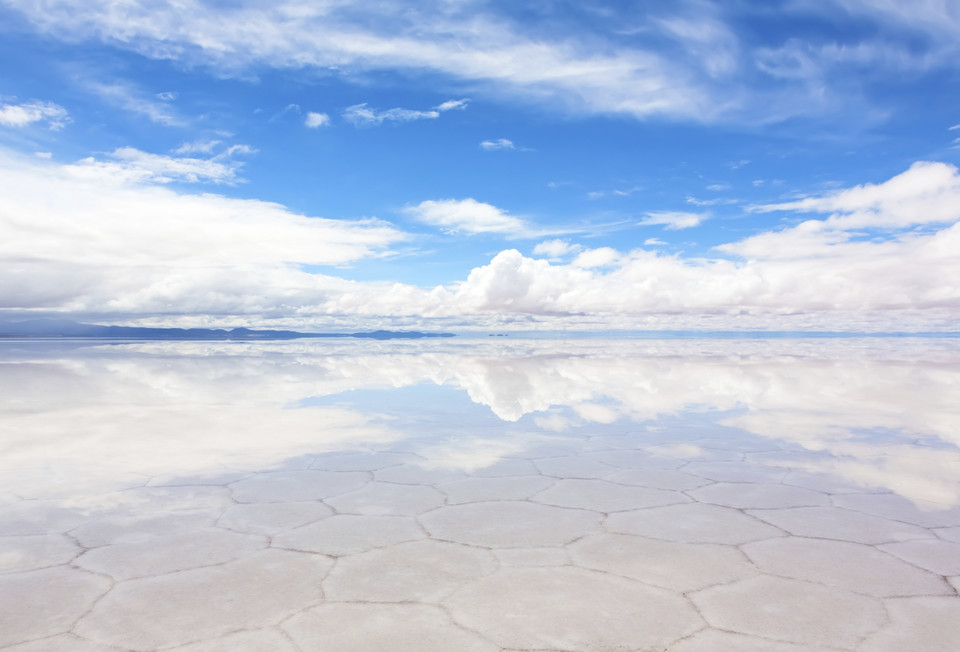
(55, 329)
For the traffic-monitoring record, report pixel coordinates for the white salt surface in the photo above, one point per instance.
(780, 495)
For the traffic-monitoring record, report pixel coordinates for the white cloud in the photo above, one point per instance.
(105, 244)
(198, 147)
(954, 127)
(46, 155)
(133, 165)
(556, 248)
(128, 97)
(690, 62)
(654, 242)
(168, 96)
(569, 70)
(362, 115)
(927, 193)
(314, 120)
(71, 240)
(21, 115)
(673, 220)
(499, 143)
(601, 257)
(451, 105)
(467, 216)
(718, 187)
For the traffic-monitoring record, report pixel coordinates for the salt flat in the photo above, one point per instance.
(466, 495)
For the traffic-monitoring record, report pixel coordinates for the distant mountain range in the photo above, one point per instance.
(59, 328)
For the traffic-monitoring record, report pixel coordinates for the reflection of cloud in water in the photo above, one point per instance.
(163, 408)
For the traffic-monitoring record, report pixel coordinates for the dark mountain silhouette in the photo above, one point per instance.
(59, 328)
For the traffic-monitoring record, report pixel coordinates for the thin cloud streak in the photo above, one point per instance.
(673, 220)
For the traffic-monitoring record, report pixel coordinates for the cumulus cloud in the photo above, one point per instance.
(467, 216)
(556, 248)
(673, 220)
(600, 257)
(499, 143)
(21, 115)
(314, 120)
(116, 245)
(72, 240)
(927, 193)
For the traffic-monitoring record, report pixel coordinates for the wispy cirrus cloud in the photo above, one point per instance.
(128, 97)
(499, 143)
(469, 42)
(27, 113)
(690, 64)
(673, 220)
(363, 115)
(134, 165)
(198, 147)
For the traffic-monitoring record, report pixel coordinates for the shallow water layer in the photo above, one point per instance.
(713, 494)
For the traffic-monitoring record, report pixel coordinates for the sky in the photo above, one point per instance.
(474, 165)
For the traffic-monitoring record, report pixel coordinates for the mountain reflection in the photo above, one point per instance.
(879, 413)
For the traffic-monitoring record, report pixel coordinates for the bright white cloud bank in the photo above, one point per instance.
(71, 241)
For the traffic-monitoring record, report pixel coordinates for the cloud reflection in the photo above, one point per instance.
(881, 413)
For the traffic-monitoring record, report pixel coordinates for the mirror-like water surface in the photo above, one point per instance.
(530, 494)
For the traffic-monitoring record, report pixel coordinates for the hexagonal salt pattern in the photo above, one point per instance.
(396, 627)
(510, 524)
(693, 523)
(792, 611)
(851, 566)
(46, 602)
(928, 624)
(571, 609)
(259, 590)
(419, 571)
(36, 551)
(678, 566)
(574, 544)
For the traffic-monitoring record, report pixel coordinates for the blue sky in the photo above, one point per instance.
(461, 164)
